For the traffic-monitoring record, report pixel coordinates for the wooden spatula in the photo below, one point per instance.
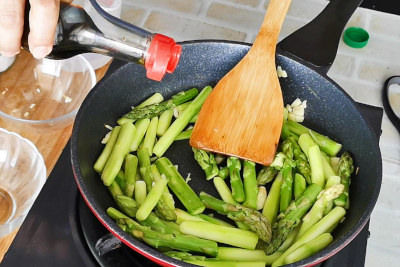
(243, 115)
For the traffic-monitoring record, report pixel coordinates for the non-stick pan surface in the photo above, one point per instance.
(329, 111)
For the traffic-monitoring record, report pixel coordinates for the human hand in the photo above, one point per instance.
(43, 19)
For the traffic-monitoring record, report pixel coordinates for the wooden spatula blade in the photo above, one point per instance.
(243, 116)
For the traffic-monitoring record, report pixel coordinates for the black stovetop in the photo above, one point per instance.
(60, 226)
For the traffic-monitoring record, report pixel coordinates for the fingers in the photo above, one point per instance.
(11, 26)
(43, 19)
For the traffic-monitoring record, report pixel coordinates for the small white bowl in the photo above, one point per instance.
(22, 176)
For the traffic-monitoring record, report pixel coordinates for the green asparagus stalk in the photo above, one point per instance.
(154, 110)
(184, 135)
(236, 182)
(195, 117)
(153, 99)
(116, 214)
(171, 241)
(145, 167)
(250, 184)
(335, 164)
(278, 161)
(179, 109)
(207, 162)
(105, 154)
(120, 179)
(317, 170)
(327, 145)
(285, 245)
(166, 205)
(159, 225)
(223, 190)
(151, 200)
(115, 190)
(305, 142)
(164, 122)
(326, 166)
(317, 210)
(150, 137)
(117, 156)
(308, 249)
(140, 191)
(291, 217)
(271, 205)
(287, 175)
(214, 220)
(240, 254)
(141, 128)
(266, 175)
(223, 172)
(346, 168)
(252, 218)
(182, 216)
(128, 205)
(180, 255)
(131, 164)
(261, 197)
(299, 185)
(301, 161)
(222, 234)
(179, 187)
(332, 181)
(316, 230)
(145, 173)
(214, 263)
(180, 123)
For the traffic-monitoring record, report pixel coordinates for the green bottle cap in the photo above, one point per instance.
(356, 37)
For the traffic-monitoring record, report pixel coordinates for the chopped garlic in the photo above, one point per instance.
(176, 167)
(296, 110)
(106, 137)
(281, 72)
(108, 127)
(152, 159)
(190, 127)
(188, 178)
(176, 113)
(67, 99)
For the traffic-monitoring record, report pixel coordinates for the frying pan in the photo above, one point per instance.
(305, 55)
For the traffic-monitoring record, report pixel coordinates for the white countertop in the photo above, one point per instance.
(360, 72)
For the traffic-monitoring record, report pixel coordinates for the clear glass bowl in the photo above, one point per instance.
(44, 94)
(22, 176)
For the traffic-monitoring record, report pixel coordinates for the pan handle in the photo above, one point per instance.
(318, 41)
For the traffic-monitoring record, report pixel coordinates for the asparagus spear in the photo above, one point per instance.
(127, 205)
(179, 187)
(180, 255)
(140, 191)
(308, 249)
(141, 128)
(212, 219)
(102, 159)
(154, 110)
(116, 214)
(120, 149)
(326, 166)
(150, 137)
(327, 145)
(252, 218)
(165, 207)
(291, 217)
(250, 184)
(317, 171)
(236, 182)
(120, 179)
(301, 162)
(346, 168)
(115, 190)
(299, 185)
(131, 163)
(223, 172)
(223, 190)
(153, 99)
(180, 123)
(151, 199)
(222, 234)
(184, 135)
(240, 254)
(266, 175)
(171, 241)
(326, 223)
(317, 210)
(287, 176)
(271, 205)
(159, 225)
(207, 162)
(164, 122)
(182, 216)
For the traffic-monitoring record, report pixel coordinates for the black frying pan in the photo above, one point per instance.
(305, 55)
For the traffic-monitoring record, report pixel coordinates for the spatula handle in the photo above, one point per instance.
(272, 24)
(318, 41)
